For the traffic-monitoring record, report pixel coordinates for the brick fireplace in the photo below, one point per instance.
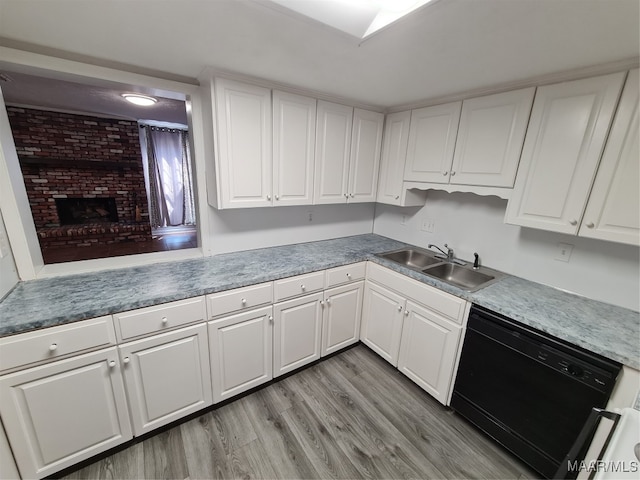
(88, 165)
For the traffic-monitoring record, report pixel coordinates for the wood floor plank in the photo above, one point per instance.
(233, 426)
(204, 450)
(318, 443)
(285, 452)
(252, 461)
(164, 456)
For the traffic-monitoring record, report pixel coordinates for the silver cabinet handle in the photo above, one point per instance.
(573, 222)
(591, 225)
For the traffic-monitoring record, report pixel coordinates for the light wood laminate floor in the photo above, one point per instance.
(351, 416)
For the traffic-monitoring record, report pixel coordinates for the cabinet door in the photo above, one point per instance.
(432, 138)
(167, 376)
(241, 352)
(490, 138)
(297, 333)
(63, 412)
(364, 163)
(382, 317)
(394, 154)
(333, 142)
(566, 134)
(294, 139)
(342, 312)
(428, 350)
(243, 114)
(613, 211)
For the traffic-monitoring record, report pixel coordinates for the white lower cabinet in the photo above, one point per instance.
(297, 333)
(416, 327)
(61, 413)
(342, 309)
(382, 316)
(167, 376)
(428, 350)
(240, 348)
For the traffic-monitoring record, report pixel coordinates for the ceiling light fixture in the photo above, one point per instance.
(359, 18)
(140, 100)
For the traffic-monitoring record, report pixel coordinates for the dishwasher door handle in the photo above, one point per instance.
(581, 445)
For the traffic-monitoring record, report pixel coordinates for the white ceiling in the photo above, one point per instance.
(448, 47)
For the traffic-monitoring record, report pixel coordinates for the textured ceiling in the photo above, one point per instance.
(446, 48)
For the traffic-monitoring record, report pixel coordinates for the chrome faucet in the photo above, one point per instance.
(448, 255)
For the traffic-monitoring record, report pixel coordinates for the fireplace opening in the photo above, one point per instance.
(78, 211)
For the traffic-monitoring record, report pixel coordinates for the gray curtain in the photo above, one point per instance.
(170, 177)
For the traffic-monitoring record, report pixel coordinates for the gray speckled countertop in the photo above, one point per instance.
(611, 331)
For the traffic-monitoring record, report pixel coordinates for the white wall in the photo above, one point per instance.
(8, 271)
(470, 223)
(246, 229)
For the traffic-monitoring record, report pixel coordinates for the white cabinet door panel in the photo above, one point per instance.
(432, 138)
(566, 134)
(428, 350)
(613, 211)
(167, 376)
(394, 155)
(294, 139)
(63, 412)
(382, 317)
(244, 144)
(490, 138)
(241, 352)
(366, 142)
(297, 333)
(333, 144)
(341, 317)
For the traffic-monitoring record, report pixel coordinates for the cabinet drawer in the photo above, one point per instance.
(239, 299)
(441, 302)
(159, 317)
(348, 273)
(56, 342)
(298, 285)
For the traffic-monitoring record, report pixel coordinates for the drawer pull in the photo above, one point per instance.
(328, 300)
(53, 347)
(399, 308)
(406, 313)
(270, 318)
(112, 363)
(303, 287)
(126, 360)
(164, 320)
(244, 302)
(348, 275)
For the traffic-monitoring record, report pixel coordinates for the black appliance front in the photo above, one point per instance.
(528, 390)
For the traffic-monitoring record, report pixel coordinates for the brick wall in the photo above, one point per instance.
(63, 145)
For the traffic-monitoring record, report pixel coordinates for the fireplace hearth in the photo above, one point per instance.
(80, 211)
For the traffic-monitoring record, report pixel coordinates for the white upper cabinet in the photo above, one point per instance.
(490, 138)
(613, 210)
(565, 138)
(394, 155)
(243, 114)
(432, 139)
(348, 146)
(366, 142)
(294, 137)
(333, 142)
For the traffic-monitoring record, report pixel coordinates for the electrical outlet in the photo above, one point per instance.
(428, 225)
(310, 214)
(563, 252)
(403, 220)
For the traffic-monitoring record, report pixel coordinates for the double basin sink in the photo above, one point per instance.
(464, 277)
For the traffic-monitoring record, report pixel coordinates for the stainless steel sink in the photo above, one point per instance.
(412, 258)
(463, 277)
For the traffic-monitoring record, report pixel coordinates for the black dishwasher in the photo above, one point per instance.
(528, 390)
